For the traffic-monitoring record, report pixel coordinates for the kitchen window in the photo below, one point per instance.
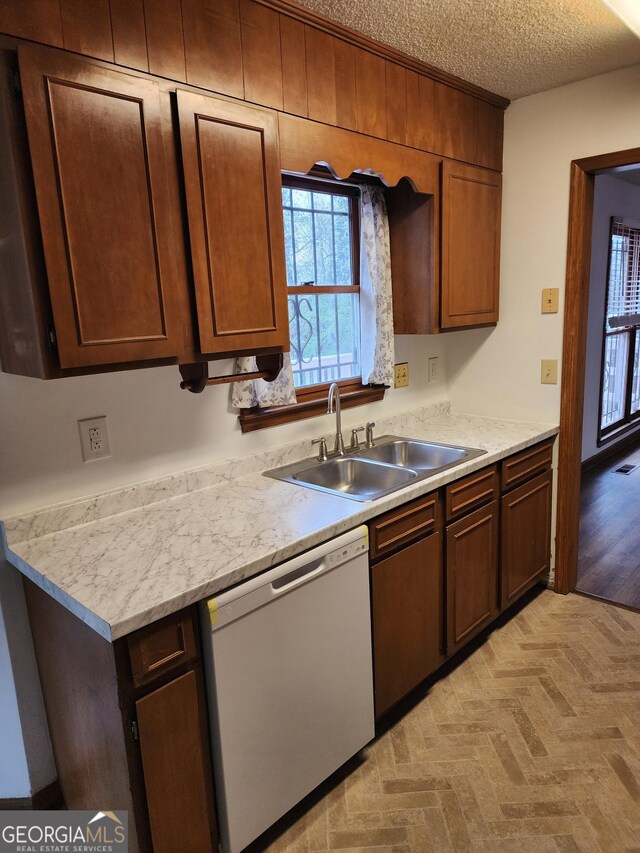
(322, 254)
(620, 379)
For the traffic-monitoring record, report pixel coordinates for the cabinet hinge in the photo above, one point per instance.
(51, 338)
(16, 86)
(133, 728)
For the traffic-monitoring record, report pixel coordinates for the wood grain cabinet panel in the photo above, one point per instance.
(171, 743)
(86, 27)
(421, 115)
(413, 237)
(97, 148)
(400, 526)
(162, 646)
(129, 33)
(526, 464)
(165, 41)
(447, 139)
(294, 66)
(213, 45)
(396, 102)
(321, 75)
(371, 94)
(260, 28)
(346, 100)
(407, 608)
(489, 131)
(526, 536)
(471, 492)
(232, 180)
(471, 205)
(472, 574)
(37, 20)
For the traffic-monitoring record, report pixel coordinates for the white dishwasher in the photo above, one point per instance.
(289, 680)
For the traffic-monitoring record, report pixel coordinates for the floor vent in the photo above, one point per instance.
(625, 469)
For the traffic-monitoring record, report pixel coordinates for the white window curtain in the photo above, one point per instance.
(376, 316)
(247, 393)
(376, 302)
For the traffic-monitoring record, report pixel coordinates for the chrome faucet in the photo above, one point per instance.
(333, 405)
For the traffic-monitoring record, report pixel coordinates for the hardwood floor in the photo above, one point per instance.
(530, 744)
(609, 551)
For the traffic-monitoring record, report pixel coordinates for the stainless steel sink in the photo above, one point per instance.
(356, 478)
(409, 453)
(368, 473)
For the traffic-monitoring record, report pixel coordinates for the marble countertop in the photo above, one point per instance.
(121, 571)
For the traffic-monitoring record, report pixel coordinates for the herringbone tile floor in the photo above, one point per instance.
(531, 744)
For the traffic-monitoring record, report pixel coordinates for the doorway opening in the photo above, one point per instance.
(575, 352)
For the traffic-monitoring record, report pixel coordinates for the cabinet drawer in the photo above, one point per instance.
(404, 524)
(162, 646)
(471, 492)
(526, 464)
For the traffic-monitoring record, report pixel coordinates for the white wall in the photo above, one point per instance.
(613, 197)
(154, 427)
(27, 761)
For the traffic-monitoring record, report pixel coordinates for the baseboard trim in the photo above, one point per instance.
(49, 797)
(612, 450)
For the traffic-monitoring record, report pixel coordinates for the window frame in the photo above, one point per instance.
(630, 419)
(312, 399)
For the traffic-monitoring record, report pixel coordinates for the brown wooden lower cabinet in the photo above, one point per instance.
(526, 536)
(407, 619)
(472, 574)
(171, 743)
(122, 745)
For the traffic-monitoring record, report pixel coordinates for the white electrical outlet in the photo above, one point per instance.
(94, 438)
(433, 371)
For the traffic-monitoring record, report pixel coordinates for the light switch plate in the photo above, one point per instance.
(401, 379)
(433, 369)
(550, 299)
(549, 371)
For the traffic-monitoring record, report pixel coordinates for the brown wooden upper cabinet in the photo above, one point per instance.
(470, 277)
(231, 163)
(97, 146)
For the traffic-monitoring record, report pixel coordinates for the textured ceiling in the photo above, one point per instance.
(511, 47)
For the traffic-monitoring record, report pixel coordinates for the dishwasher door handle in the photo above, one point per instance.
(298, 576)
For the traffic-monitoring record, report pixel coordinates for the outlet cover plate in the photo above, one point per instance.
(550, 300)
(401, 379)
(433, 369)
(94, 438)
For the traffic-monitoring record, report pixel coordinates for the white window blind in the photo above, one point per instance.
(623, 297)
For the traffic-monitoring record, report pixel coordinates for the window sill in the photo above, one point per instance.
(358, 395)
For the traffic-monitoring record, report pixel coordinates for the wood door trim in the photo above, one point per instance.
(573, 353)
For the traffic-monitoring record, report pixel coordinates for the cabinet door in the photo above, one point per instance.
(471, 201)
(171, 743)
(407, 619)
(97, 147)
(232, 177)
(472, 574)
(526, 536)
